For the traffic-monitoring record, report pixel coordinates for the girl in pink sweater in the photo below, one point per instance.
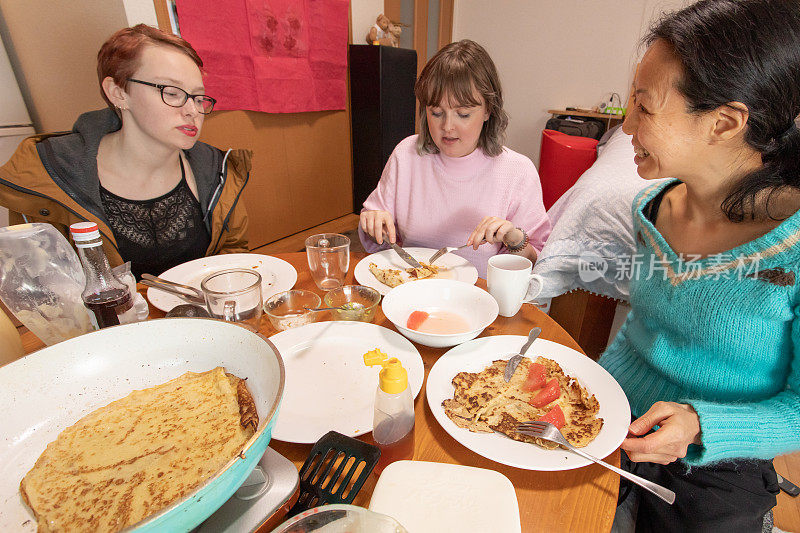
(455, 183)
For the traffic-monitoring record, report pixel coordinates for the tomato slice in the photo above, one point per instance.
(537, 376)
(550, 392)
(555, 416)
(416, 319)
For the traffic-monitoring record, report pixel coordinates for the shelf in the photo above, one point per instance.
(603, 116)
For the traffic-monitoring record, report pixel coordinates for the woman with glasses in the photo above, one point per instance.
(159, 197)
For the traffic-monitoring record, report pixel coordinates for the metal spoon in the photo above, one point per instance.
(512, 363)
(187, 310)
(354, 306)
(184, 292)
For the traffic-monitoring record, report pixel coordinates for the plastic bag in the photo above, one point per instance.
(41, 281)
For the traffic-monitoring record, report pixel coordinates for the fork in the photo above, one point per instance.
(445, 250)
(184, 292)
(547, 431)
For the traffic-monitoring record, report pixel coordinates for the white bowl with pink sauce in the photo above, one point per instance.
(456, 312)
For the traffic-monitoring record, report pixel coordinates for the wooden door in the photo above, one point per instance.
(429, 21)
(420, 16)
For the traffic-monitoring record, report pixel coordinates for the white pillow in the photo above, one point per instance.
(591, 244)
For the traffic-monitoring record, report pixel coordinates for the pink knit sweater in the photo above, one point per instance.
(438, 200)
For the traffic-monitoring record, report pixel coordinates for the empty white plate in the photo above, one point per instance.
(328, 386)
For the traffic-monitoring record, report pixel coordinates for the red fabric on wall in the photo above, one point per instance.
(276, 56)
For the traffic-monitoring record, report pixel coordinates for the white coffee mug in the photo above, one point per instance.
(511, 282)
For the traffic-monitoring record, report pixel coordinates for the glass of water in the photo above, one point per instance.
(234, 295)
(328, 259)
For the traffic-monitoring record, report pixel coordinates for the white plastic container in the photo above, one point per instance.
(393, 423)
(446, 497)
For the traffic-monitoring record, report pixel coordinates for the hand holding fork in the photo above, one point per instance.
(547, 431)
(445, 250)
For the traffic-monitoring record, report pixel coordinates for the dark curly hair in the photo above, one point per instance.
(744, 51)
(458, 70)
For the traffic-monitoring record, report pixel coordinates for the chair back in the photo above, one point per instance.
(10, 342)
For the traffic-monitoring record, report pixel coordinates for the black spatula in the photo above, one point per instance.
(334, 471)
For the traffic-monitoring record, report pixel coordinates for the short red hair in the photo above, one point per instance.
(118, 58)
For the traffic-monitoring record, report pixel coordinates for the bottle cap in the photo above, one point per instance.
(393, 378)
(83, 232)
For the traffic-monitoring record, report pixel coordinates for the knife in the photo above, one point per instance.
(788, 487)
(512, 363)
(405, 256)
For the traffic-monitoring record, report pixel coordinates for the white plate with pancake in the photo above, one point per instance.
(452, 267)
(277, 275)
(328, 386)
(476, 355)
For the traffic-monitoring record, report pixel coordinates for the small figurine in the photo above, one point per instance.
(385, 32)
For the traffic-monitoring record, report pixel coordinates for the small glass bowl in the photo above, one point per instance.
(366, 296)
(288, 309)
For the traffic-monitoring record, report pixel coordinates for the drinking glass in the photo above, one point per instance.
(328, 259)
(510, 282)
(234, 295)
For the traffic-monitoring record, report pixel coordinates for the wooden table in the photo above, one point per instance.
(583, 499)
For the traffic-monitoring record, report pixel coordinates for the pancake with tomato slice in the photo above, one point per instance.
(540, 390)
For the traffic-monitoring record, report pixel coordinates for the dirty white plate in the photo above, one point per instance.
(328, 386)
(277, 275)
(476, 355)
(454, 267)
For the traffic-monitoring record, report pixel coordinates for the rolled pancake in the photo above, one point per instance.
(388, 276)
(137, 455)
(393, 277)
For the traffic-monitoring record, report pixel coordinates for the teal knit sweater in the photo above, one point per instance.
(721, 334)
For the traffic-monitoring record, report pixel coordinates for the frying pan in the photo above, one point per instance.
(49, 390)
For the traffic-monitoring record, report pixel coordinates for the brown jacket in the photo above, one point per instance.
(53, 178)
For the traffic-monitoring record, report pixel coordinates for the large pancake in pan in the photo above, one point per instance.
(137, 455)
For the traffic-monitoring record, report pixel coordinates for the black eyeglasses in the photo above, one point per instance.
(177, 97)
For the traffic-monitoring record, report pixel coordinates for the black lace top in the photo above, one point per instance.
(157, 234)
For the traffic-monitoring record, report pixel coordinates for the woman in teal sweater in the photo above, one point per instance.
(710, 354)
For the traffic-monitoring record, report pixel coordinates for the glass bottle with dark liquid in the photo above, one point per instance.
(108, 300)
